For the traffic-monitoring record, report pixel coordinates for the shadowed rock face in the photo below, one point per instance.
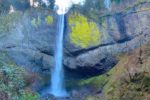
(121, 28)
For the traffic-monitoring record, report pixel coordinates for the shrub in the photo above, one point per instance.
(28, 95)
(12, 81)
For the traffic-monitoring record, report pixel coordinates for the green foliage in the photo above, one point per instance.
(84, 33)
(96, 82)
(13, 75)
(7, 22)
(38, 21)
(127, 84)
(35, 22)
(90, 97)
(12, 80)
(146, 82)
(128, 80)
(27, 95)
(49, 20)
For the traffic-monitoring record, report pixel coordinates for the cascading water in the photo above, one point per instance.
(107, 4)
(57, 76)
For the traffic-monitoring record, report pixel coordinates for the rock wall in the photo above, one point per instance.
(121, 31)
(29, 35)
(29, 38)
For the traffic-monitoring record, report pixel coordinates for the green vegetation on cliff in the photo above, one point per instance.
(131, 78)
(49, 20)
(13, 81)
(7, 22)
(84, 33)
(128, 80)
(35, 22)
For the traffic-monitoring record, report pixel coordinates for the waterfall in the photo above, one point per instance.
(107, 4)
(57, 74)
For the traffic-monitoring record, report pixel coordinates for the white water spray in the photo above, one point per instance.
(63, 6)
(107, 4)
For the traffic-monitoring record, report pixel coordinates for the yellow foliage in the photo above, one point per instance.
(84, 33)
(49, 20)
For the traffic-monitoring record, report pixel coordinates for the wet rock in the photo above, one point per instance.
(121, 31)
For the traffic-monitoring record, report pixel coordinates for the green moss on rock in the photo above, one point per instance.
(49, 20)
(35, 22)
(7, 22)
(96, 82)
(84, 33)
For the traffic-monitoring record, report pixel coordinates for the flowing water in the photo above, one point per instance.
(57, 74)
(107, 4)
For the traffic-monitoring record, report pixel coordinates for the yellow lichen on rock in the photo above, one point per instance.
(49, 20)
(84, 33)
